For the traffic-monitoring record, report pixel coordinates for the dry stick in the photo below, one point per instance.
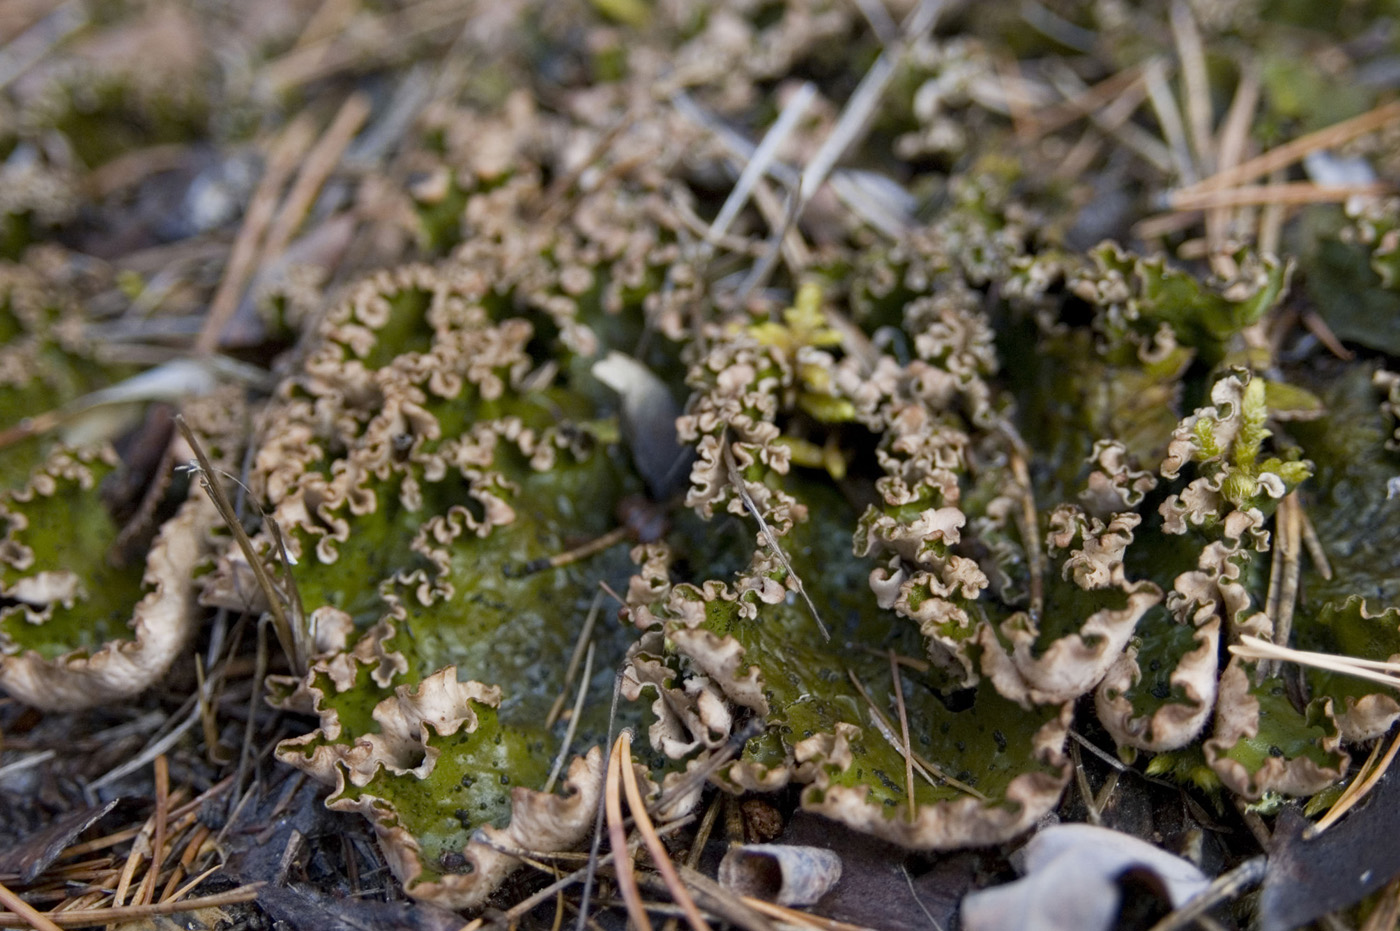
(1314, 545)
(1387, 913)
(1289, 533)
(794, 251)
(585, 640)
(126, 834)
(1018, 107)
(765, 265)
(30, 47)
(1106, 790)
(82, 918)
(719, 758)
(617, 838)
(1271, 220)
(323, 158)
(522, 908)
(724, 903)
(208, 717)
(768, 535)
(907, 749)
(330, 18)
(286, 152)
(1319, 328)
(1030, 530)
(659, 856)
(1290, 152)
(573, 723)
(192, 844)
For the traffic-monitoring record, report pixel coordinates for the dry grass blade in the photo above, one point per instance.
(1030, 530)
(724, 903)
(659, 856)
(769, 537)
(1231, 149)
(28, 913)
(1169, 119)
(860, 109)
(617, 837)
(1387, 913)
(1085, 102)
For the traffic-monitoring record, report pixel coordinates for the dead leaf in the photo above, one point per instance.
(1308, 878)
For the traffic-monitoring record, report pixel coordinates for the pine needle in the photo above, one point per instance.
(617, 837)
(659, 856)
(573, 721)
(769, 536)
(907, 749)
